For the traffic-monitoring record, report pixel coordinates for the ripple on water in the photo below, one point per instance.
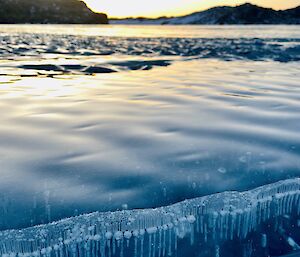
(101, 142)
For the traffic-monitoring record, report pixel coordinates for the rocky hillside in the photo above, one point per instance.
(243, 14)
(49, 11)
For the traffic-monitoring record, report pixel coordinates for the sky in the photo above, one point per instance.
(156, 8)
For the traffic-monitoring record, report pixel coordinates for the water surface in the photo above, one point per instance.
(104, 118)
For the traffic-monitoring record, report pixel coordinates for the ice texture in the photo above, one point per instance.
(25, 44)
(211, 220)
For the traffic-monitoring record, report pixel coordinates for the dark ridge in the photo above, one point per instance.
(98, 69)
(94, 69)
(48, 11)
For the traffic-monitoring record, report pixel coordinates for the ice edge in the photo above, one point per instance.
(220, 217)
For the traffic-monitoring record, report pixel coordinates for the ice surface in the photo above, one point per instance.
(75, 143)
(48, 54)
(278, 49)
(211, 220)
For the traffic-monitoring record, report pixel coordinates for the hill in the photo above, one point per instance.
(48, 11)
(242, 14)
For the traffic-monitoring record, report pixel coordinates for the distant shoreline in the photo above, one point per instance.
(245, 14)
(72, 12)
(141, 24)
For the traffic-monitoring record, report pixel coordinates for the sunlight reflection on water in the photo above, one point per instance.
(185, 31)
(75, 143)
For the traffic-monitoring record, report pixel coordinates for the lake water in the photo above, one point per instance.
(105, 118)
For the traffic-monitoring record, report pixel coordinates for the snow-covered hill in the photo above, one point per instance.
(243, 14)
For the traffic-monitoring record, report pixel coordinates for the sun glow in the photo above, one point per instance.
(155, 8)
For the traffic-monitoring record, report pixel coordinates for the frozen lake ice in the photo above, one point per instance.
(103, 119)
